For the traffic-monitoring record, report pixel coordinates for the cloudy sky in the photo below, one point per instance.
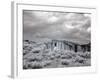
(57, 25)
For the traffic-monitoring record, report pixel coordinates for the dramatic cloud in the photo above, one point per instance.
(57, 25)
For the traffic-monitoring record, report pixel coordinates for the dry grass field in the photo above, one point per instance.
(36, 57)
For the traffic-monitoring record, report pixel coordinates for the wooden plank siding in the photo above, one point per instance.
(65, 45)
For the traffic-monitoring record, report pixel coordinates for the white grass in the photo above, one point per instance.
(37, 57)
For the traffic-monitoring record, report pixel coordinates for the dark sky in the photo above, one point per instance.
(57, 25)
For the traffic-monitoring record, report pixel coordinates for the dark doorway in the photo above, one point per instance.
(75, 48)
(55, 44)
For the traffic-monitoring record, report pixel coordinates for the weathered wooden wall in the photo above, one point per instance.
(65, 45)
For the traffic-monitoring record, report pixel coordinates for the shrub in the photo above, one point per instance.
(64, 62)
(46, 63)
(85, 55)
(74, 55)
(35, 65)
(80, 61)
(33, 57)
(66, 56)
(31, 60)
(52, 58)
(25, 67)
(46, 51)
(25, 52)
(57, 55)
(26, 64)
(36, 51)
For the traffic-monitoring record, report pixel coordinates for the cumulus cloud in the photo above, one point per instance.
(57, 25)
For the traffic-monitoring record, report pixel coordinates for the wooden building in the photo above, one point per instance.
(66, 45)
